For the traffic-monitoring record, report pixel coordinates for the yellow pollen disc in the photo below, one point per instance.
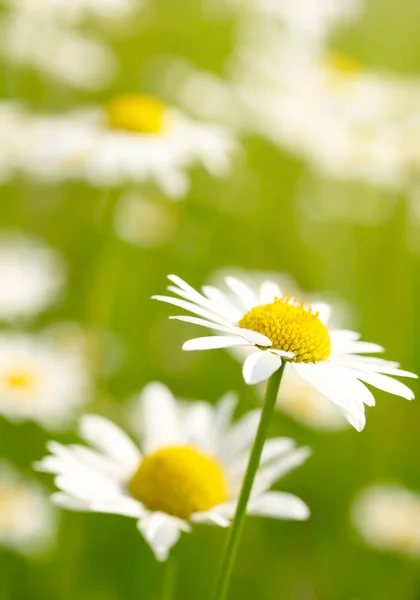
(136, 113)
(345, 65)
(292, 328)
(20, 380)
(179, 480)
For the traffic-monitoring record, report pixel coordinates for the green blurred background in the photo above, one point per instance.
(249, 220)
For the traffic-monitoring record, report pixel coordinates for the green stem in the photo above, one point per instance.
(273, 385)
(168, 580)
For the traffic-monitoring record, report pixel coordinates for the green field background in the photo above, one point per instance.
(249, 220)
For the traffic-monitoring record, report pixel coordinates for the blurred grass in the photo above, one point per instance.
(249, 221)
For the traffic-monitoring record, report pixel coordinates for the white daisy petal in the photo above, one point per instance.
(224, 306)
(239, 437)
(268, 291)
(109, 439)
(259, 366)
(255, 338)
(161, 532)
(214, 342)
(194, 309)
(246, 296)
(385, 383)
(198, 425)
(158, 415)
(279, 505)
(324, 311)
(337, 387)
(123, 505)
(361, 348)
(211, 517)
(205, 323)
(68, 502)
(267, 475)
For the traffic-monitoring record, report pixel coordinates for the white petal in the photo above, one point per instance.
(387, 384)
(259, 366)
(279, 505)
(198, 425)
(211, 517)
(191, 293)
(258, 339)
(87, 489)
(337, 387)
(127, 507)
(161, 532)
(215, 342)
(239, 437)
(324, 311)
(267, 475)
(361, 348)
(246, 296)
(224, 305)
(197, 310)
(373, 364)
(223, 413)
(273, 449)
(341, 337)
(268, 291)
(158, 416)
(68, 502)
(205, 323)
(110, 439)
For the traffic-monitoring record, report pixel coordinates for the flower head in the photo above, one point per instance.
(388, 518)
(41, 380)
(27, 520)
(190, 468)
(31, 277)
(134, 138)
(280, 328)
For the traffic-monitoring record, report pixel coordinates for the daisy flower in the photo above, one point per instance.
(41, 380)
(388, 518)
(133, 139)
(31, 277)
(279, 328)
(189, 469)
(27, 519)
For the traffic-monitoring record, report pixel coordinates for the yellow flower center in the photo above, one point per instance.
(136, 113)
(344, 65)
(179, 480)
(292, 328)
(20, 380)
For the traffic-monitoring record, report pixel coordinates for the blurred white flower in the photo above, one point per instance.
(388, 518)
(29, 40)
(143, 221)
(75, 10)
(42, 379)
(31, 276)
(134, 138)
(191, 471)
(27, 519)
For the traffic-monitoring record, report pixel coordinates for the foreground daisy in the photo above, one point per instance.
(281, 329)
(31, 277)
(388, 518)
(27, 519)
(135, 138)
(190, 468)
(41, 379)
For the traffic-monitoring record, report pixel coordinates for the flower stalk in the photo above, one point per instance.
(273, 385)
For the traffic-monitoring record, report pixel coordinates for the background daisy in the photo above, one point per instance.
(27, 519)
(190, 470)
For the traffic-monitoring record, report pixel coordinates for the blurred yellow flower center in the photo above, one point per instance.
(179, 480)
(20, 379)
(345, 65)
(136, 113)
(292, 328)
